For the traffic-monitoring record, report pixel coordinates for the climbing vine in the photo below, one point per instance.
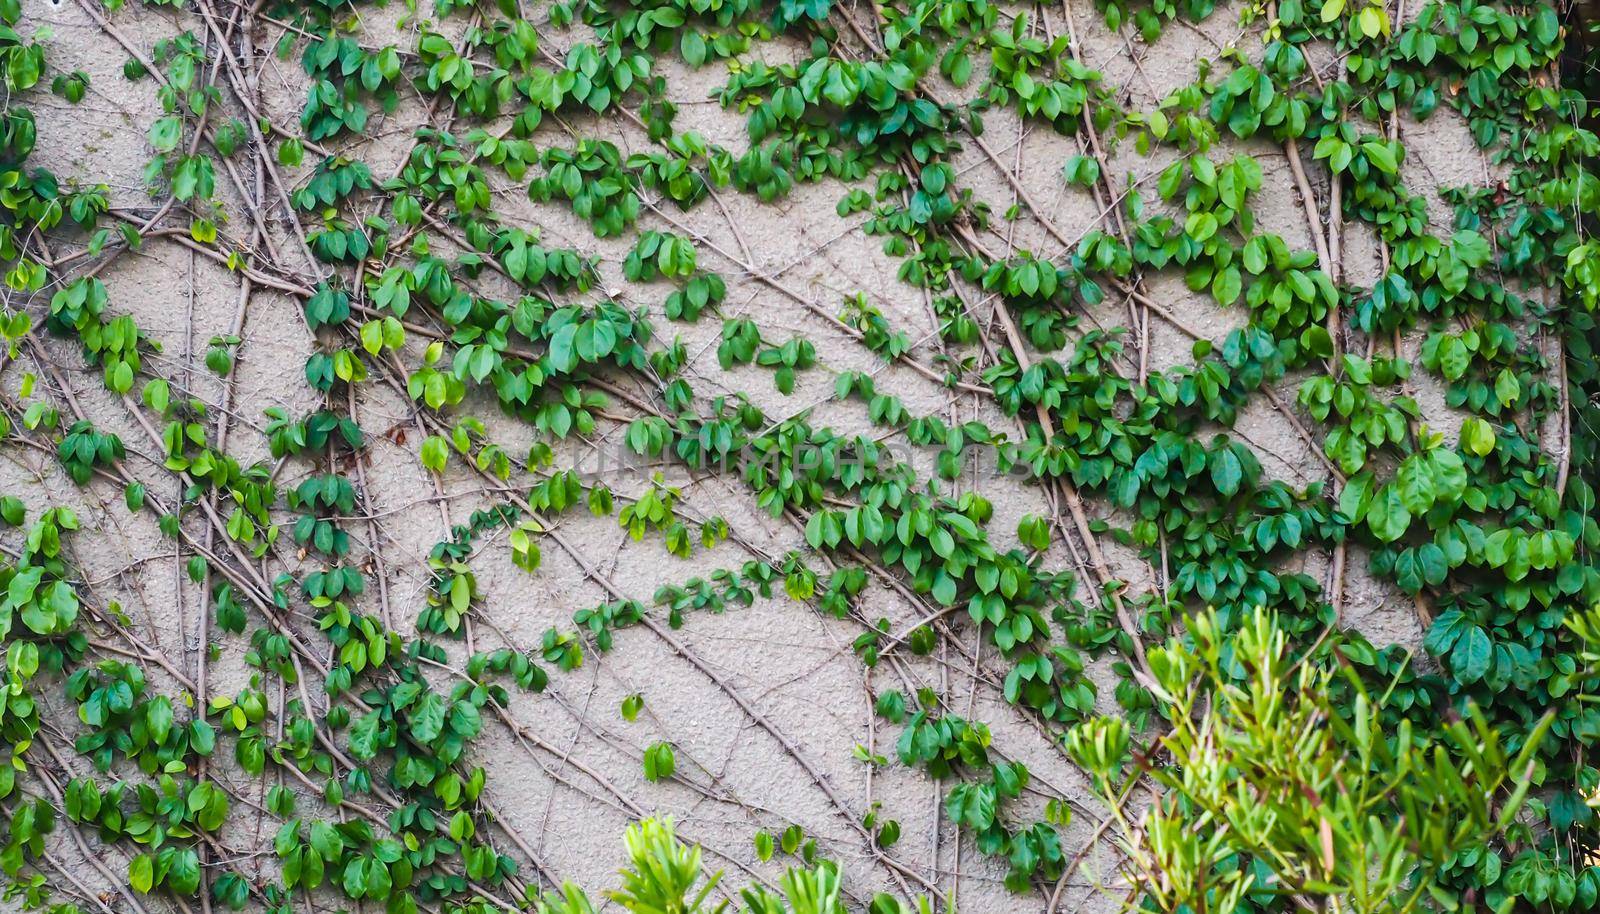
(443, 266)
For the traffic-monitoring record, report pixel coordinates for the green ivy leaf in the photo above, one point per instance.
(1472, 655)
(1387, 516)
(659, 762)
(141, 873)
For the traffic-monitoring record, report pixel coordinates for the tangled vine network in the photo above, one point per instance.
(1033, 491)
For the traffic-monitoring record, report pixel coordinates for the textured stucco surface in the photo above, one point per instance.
(571, 780)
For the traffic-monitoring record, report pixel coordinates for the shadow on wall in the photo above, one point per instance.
(1580, 59)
